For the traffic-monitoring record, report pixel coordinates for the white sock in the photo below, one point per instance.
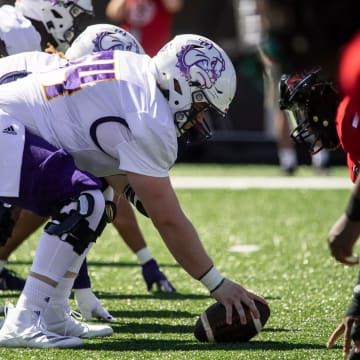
(53, 257)
(287, 158)
(2, 264)
(35, 295)
(143, 255)
(320, 159)
(62, 291)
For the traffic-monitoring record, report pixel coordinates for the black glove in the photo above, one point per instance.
(6, 223)
(129, 195)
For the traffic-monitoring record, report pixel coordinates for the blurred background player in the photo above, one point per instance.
(250, 26)
(310, 35)
(286, 149)
(150, 21)
(125, 224)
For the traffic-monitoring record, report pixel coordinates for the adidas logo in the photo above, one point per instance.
(10, 130)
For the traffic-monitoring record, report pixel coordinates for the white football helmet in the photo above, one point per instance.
(192, 69)
(61, 18)
(16, 32)
(101, 37)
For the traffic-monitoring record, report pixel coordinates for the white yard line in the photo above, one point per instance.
(255, 182)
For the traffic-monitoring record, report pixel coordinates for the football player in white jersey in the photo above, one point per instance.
(117, 115)
(59, 22)
(20, 65)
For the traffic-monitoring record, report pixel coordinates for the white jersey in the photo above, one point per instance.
(104, 109)
(28, 62)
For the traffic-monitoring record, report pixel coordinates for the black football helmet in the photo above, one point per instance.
(310, 104)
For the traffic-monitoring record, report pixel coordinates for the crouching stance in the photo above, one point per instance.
(50, 184)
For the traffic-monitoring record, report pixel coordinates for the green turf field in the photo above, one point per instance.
(307, 290)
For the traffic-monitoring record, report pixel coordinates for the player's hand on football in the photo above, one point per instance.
(350, 328)
(342, 238)
(154, 276)
(232, 295)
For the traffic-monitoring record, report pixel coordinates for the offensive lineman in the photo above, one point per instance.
(121, 114)
(61, 30)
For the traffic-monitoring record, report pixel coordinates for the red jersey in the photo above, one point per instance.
(348, 129)
(149, 22)
(347, 120)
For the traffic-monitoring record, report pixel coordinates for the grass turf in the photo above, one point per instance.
(307, 290)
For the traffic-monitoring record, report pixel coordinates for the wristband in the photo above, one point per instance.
(143, 255)
(353, 209)
(212, 279)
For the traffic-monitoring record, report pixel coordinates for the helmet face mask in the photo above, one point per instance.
(193, 70)
(188, 123)
(310, 105)
(63, 19)
(66, 20)
(301, 130)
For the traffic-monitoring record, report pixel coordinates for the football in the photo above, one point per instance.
(211, 325)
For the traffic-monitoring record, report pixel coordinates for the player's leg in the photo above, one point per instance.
(88, 304)
(25, 223)
(321, 162)
(77, 206)
(127, 226)
(79, 225)
(286, 148)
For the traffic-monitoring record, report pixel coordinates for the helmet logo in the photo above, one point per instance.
(112, 41)
(202, 64)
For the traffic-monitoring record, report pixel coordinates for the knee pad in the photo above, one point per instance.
(79, 222)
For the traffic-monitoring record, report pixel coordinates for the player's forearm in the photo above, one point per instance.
(184, 244)
(353, 208)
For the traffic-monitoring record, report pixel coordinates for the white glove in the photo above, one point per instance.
(90, 307)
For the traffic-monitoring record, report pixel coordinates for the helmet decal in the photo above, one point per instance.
(200, 67)
(110, 41)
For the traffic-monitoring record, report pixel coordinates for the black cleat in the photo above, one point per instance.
(10, 281)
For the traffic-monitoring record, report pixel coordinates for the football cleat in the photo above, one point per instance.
(10, 281)
(24, 328)
(59, 320)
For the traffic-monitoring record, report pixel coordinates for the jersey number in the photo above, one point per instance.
(101, 67)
